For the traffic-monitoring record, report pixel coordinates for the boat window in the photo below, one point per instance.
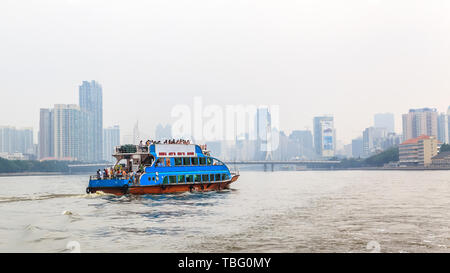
(202, 160)
(197, 178)
(189, 178)
(186, 161)
(224, 177)
(209, 160)
(178, 161)
(166, 180)
(180, 179)
(217, 176)
(205, 177)
(217, 162)
(160, 162)
(194, 161)
(172, 179)
(211, 177)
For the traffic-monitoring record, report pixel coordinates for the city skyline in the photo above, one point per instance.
(311, 58)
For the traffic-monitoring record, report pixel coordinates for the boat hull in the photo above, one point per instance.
(166, 188)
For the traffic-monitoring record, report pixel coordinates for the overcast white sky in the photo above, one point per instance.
(348, 58)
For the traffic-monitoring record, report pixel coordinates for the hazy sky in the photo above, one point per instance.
(348, 58)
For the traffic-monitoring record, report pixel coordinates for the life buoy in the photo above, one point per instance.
(88, 190)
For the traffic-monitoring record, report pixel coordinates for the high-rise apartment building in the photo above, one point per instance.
(420, 122)
(67, 133)
(324, 136)
(46, 134)
(373, 140)
(14, 140)
(442, 128)
(91, 104)
(357, 147)
(111, 138)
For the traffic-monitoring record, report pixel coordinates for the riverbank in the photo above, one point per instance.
(32, 174)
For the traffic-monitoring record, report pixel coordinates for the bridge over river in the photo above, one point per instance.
(269, 164)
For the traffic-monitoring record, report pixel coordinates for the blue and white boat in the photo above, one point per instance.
(162, 168)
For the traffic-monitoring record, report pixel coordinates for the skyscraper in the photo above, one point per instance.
(111, 138)
(67, 121)
(46, 143)
(14, 140)
(419, 122)
(324, 136)
(385, 120)
(91, 104)
(373, 138)
(443, 128)
(263, 130)
(357, 147)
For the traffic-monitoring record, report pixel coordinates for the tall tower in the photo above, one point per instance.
(46, 143)
(263, 134)
(419, 122)
(66, 132)
(111, 138)
(91, 104)
(324, 136)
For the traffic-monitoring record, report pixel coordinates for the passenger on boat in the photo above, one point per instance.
(98, 174)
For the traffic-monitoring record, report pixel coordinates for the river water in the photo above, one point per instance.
(309, 211)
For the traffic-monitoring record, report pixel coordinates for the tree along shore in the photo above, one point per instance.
(33, 166)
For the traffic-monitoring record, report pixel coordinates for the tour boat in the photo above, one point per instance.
(163, 168)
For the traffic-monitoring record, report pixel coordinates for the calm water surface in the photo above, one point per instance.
(312, 211)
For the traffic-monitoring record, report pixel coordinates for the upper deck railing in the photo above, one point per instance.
(132, 148)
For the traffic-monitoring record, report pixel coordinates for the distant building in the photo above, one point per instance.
(418, 151)
(391, 140)
(357, 147)
(373, 140)
(91, 104)
(14, 140)
(385, 120)
(442, 128)
(67, 132)
(441, 160)
(420, 122)
(301, 144)
(263, 130)
(324, 136)
(111, 138)
(136, 134)
(46, 134)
